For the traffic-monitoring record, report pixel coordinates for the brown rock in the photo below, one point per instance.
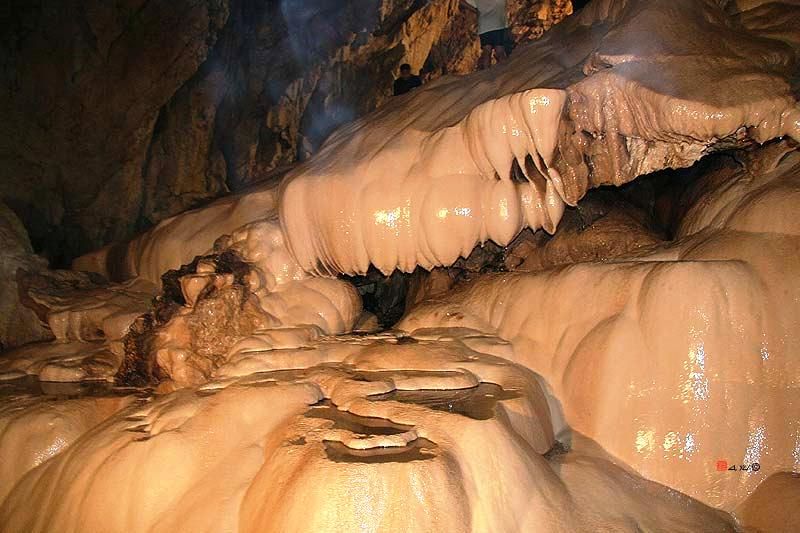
(83, 82)
(529, 19)
(117, 116)
(599, 229)
(18, 324)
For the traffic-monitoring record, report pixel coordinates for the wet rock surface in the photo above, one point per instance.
(361, 429)
(117, 116)
(653, 333)
(607, 224)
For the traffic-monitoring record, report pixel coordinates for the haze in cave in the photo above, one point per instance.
(246, 289)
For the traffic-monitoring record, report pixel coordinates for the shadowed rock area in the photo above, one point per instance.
(119, 115)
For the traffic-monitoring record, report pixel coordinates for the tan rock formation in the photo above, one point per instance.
(599, 395)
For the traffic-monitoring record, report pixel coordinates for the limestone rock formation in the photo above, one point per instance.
(117, 116)
(601, 228)
(18, 323)
(529, 19)
(416, 434)
(675, 356)
(605, 388)
(38, 304)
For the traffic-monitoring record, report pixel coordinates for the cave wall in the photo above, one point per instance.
(82, 84)
(18, 323)
(118, 115)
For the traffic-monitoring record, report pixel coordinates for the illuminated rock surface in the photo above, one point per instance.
(673, 359)
(427, 177)
(414, 435)
(117, 116)
(601, 394)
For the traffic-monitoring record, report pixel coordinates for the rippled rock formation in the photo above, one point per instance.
(414, 433)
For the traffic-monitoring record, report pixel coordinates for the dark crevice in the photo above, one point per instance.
(383, 296)
(517, 176)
